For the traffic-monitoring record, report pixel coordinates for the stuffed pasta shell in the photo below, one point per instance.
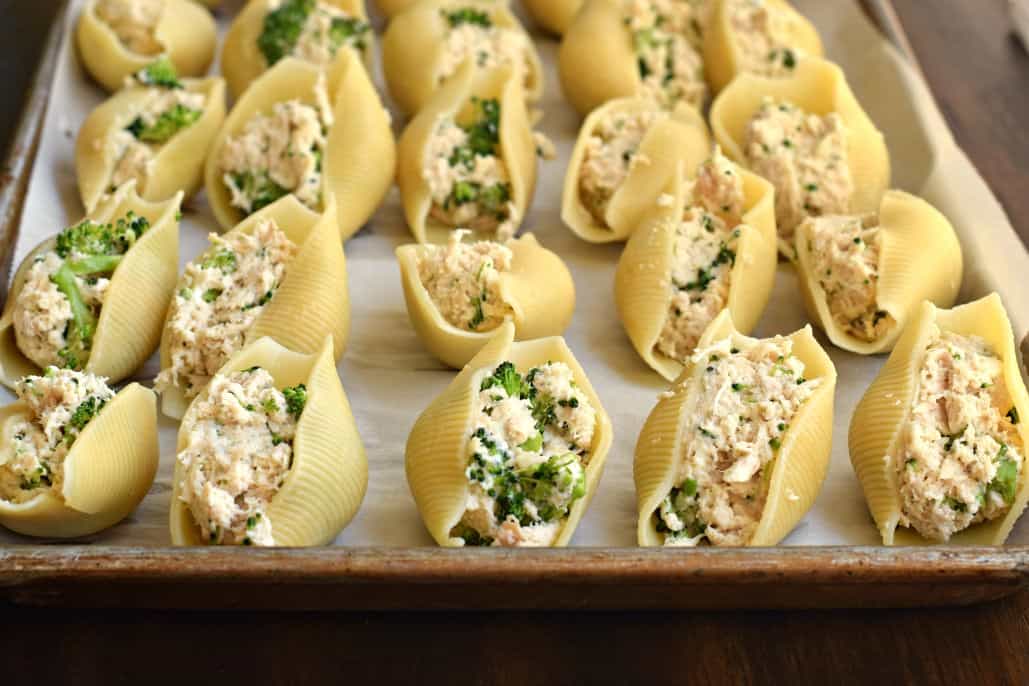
(864, 276)
(939, 439)
(807, 134)
(117, 38)
(316, 134)
(311, 30)
(75, 457)
(708, 246)
(268, 453)
(391, 8)
(764, 37)
(626, 153)
(512, 452)
(458, 294)
(468, 159)
(156, 130)
(280, 274)
(425, 46)
(624, 48)
(92, 298)
(736, 452)
(553, 15)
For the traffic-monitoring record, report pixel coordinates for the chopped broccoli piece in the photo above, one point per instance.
(554, 485)
(85, 412)
(282, 29)
(211, 294)
(296, 399)
(161, 72)
(534, 444)
(223, 259)
(1005, 481)
(467, 15)
(484, 133)
(83, 323)
(259, 187)
(96, 264)
(167, 124)
(494, 199)
(508, 378)
(91, 238)
(479, 317)
(346, 30)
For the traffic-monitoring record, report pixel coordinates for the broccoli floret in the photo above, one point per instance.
(85, 412)
(83, 323)
(493, 199)
(463, 192)
(161, 72)
(467, 15)
(484, 133)
(479, 316)
(282, 28)
(347, 30)
(259, 188)
(1005, 481)
(167, 124)
(223, 259)
(296, 399)
(86, 238)
(508, 378)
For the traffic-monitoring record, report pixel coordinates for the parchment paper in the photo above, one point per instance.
(390, 378)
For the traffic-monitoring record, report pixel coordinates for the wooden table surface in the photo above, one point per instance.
(980, 75)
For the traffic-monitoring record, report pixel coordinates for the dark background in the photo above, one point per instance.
(980, 75)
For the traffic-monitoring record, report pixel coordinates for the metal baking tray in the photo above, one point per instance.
(337, 578)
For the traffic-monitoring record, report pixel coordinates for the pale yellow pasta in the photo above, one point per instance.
(919, 259)
(328, 478)
(312, 301)
(360, 153)
(242, 61)
(797, 471)
(436, 457)
(682, 138)
(643, 290)
(392, 8)
(816, 87)
(129, 326)
(517, 148)
(538, 288)
(414, 49)
(553, 15)
(723, 60)
(185, 32)
(875, 434)
(107, 472)
(177, 165)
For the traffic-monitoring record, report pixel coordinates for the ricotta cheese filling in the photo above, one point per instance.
(472, 35)
(239, 452)
(611, 153)
(804, 156)
(845, 259)
(762, 34)
(463, 280)
(164, 111)
(279, 153)
(59, 405)
(466, 175)
(961, 455)
(671, 69)
(527, 456)
(219, 297)
(309, 30)
(703, 256)
(746, 398)
(56, 311)
(134, 22)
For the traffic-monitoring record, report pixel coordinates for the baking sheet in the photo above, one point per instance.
(390, 378)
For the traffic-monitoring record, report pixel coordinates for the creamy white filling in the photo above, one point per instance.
(134, 22)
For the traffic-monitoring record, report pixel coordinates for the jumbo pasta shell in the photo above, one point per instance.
(596, 62)
(391, 8)
(797, 471)
(360, 152)
(517, 146)
(642, 280)
(553, 15)
(722, 58)
(414, 46)
(818, 87)
(325, 486)
(185, 30)
(681, 138)
(107, 472)
(178, 164)
(538, 288)
(876, 427)
(129, 326)
(312, 301)
(919, 260)
(435, 454)
(243, 62)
